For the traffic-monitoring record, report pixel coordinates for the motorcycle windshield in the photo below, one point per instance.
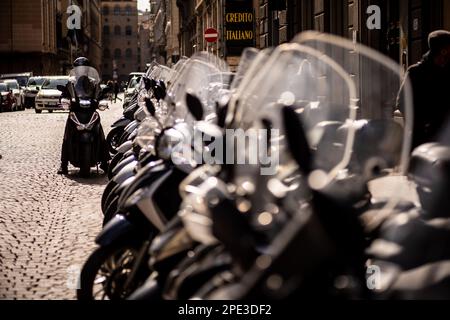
(85, 81)
(245, 74)
(245, 62)
(202, 75)
(373, 141)
(164, 74)
(151, 67)
(336, 88)
(195, 78)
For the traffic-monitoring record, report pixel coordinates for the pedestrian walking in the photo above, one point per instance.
(430, 81)
(116, 90)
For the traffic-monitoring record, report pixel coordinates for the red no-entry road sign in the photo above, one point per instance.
(211, 35)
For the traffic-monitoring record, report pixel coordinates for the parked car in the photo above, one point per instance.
(49, 96)
(7, 99)
(131, 87)
(22, 78)
(31, 90)
(17, 91)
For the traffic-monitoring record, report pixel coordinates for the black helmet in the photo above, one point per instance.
(438, 40)
(81, 62)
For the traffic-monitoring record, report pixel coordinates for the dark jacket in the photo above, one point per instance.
(431, 97)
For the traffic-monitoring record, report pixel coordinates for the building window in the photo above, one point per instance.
(117, 30)
(106, 66)
(123, 66)
(116, 10)
(128, 30)
(105, 10)
(128, 11)
(106, 30)
(153, 7)
(117, 53)
(106, 53)
(128, 53)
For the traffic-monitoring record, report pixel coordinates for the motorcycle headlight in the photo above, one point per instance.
(85, 103)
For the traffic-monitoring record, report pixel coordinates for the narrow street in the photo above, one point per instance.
(48, 222)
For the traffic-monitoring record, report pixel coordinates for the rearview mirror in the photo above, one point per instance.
(159, 91)
(195, 106)
(221, 111)
(150, 106)
(296, 138)
(162, 85)
(147, 83)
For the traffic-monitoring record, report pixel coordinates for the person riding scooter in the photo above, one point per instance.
(90, 88)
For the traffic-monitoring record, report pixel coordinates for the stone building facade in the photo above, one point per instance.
(405, 24)
(35, 38)
(120, 39)
(145, 28)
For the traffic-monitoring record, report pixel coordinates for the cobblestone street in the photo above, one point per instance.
(47, 222)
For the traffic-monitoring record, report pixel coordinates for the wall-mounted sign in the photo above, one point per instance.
(239, 26)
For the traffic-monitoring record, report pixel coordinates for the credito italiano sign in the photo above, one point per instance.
(239, 26)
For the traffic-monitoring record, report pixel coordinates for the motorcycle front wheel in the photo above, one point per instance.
(109, 187)
(111, 210)
(114, 162)
(113, 139)
(105, 273)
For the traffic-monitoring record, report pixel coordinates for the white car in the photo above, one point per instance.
(17, 92)
(49, 96)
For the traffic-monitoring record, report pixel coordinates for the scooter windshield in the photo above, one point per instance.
(245, 74)
(247, 57)
(345, 95)
(373, 141)
(195, 78)
(85, 81)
